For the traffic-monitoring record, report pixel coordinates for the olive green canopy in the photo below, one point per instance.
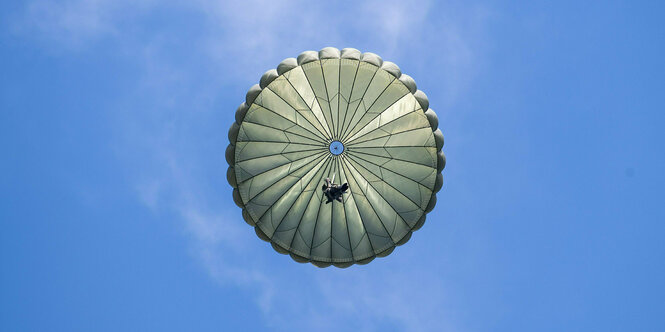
(386, 147)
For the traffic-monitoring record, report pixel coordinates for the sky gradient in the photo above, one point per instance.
(116, 214)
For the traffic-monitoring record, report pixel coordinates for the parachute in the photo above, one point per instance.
(342, 114)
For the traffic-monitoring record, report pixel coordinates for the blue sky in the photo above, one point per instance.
(116, 214)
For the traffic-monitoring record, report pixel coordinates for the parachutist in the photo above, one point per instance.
(334, 191)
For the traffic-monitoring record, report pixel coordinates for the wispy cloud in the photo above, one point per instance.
(172, 124)
(74, 24)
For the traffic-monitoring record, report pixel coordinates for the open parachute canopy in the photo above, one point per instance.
(346, 116)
